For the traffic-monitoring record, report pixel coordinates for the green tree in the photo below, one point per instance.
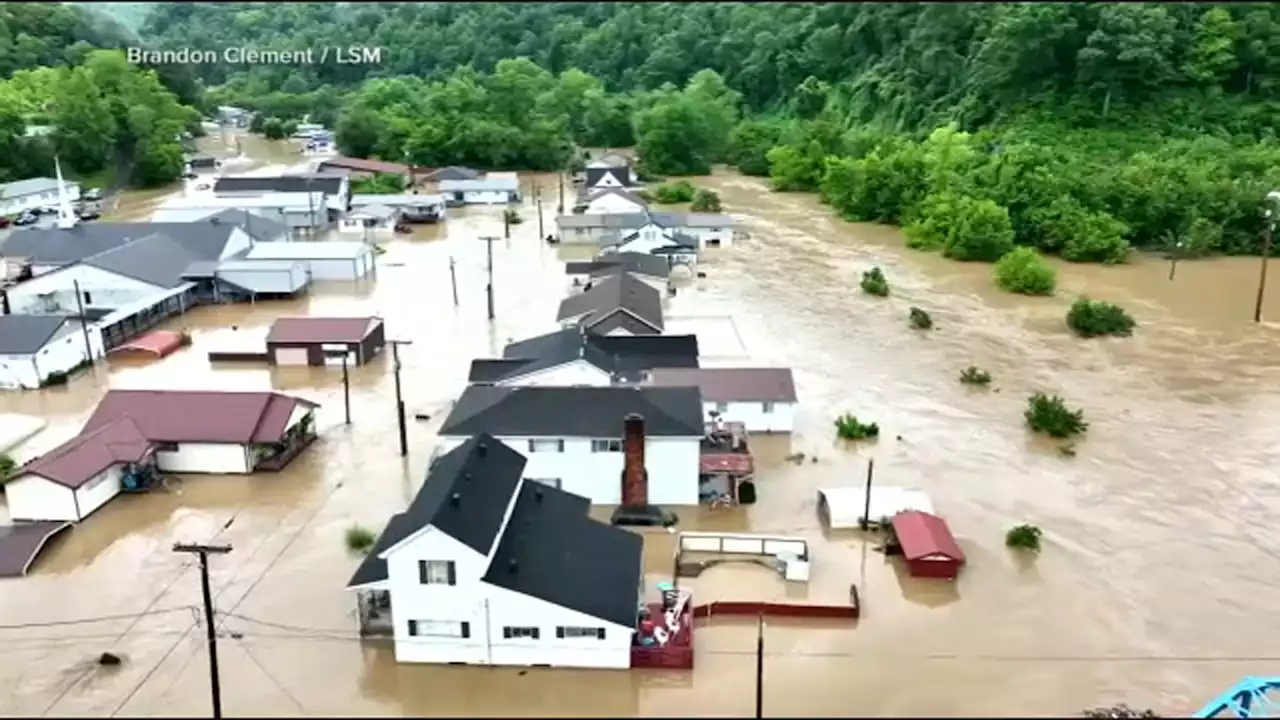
(273, 129)
(1024, 271)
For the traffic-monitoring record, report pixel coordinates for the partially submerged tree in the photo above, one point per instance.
(1024, 271)
(974, 375)
(7, 466)
(360, 539)
(1023, 537)
(706, 201)
(1095, 318)
(875, 283)
(1049, 414)
(848, 427)
(919, 319)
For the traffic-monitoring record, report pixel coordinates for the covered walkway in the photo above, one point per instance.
(20, 543)
(127, 322)
(158, 343)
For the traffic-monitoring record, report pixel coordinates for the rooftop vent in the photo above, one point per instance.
(455, 499)
(482, 449)
(512, 565)
(537, 494)
(466, 477)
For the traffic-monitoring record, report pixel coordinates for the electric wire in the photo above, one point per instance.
(271, 677)
(96, 619)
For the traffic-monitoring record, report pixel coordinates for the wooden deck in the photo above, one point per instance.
(278, 462)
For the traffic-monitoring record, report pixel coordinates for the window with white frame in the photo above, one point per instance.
(546, 446)
(766, 407)
(605, 446)
(517, 633)
(439, 628)
(437, 572)
(569, 633)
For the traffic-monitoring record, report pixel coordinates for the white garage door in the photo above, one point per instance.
(291, 356)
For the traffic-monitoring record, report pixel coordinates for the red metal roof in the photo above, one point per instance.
(318, 330)
(925, 535)
(78, 460)
(21, 542)
(200, 415)
(365, 165)
(158, 343)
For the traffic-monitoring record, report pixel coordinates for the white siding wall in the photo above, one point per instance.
(463, 602)
(343, 269)
(781, 419)
(101, 290)
(485, 197)
(60, 355)
(269, 276)
(578, 372)
(612, 204)
(724, 235)
(13, 206)
(237, 242)
(672, 463)
(99, 491)
(219, 458)
(512, 609)
(31, 497)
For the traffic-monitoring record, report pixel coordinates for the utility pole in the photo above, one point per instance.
(1266, 255)
(84, 322)
(395, 359)
(489, 241)
(211, 634)
(560, 207)
(760, 667)
(866, 500)
(346, 379)
(506, 224)
(453, 280)
(537, 198)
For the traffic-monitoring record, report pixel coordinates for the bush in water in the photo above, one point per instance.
(849, 427)
(974, 375)
(1023, 537)
(674, 193)
(1049, 414)
(920, 320)
(874, 283)
(1024, 271)
(1093, 318)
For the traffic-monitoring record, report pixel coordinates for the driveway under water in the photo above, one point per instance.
(1151, 589)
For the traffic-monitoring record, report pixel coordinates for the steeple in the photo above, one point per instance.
(66, 215)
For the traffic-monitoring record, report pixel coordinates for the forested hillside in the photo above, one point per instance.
(62, 71)
(1080, 128)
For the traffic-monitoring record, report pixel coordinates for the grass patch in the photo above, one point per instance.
(848, 427)
(1049, 415)
(360, 539)
(875, 283)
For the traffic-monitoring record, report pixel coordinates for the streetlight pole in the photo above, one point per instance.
(1268, 215)
(404, 430)
(211, 634)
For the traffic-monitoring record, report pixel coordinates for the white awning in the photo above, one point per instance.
(842, 507)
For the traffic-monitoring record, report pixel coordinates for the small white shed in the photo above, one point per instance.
(370, 221)
(842, 508)
(335, 260)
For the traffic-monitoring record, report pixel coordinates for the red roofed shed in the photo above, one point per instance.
(928, 547)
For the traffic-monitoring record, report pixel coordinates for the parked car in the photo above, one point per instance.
(88, 213)
(93, 194)
(26, 218)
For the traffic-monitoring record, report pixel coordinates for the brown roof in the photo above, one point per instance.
(80, 459)
(362, 164)
(317, 330)
(21, 542)
(923, 535)
(731, 384)
(200, 415)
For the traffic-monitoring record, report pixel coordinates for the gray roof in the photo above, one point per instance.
(398, 200)
(31, 186)
(635, 221)
(617, 293)
(155, 259)
(499, 184)
(313, 182)
(614, 263)
(617, 355)
(453, 172)
(592, 412)
(26, 334)
(382, 212)
(595, 175)
(261, 229)
(56, 246)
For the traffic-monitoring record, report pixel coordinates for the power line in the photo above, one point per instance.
(97, 619)
(267, 673)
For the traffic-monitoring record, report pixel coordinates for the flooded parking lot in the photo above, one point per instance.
(1152, 587)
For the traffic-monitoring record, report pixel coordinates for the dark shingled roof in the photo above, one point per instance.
(465, 496)
(617, 293)
(731, 384)
(542, 411)
(611, 264)
(321, 329)
(552, 550)
(155, 260)
(64, 246)
(327, 184)
(20, 543)
(26, 334)
(200, 415)
(614, 354)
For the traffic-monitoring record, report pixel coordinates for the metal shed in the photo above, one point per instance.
(928, 547)
(323, 260)
(312, 340)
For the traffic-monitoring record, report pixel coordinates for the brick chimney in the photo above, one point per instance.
(635, 478)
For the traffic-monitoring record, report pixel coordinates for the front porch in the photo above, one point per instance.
(725, 466)
(273, 457)
(373, 612)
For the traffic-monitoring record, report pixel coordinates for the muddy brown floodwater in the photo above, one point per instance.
(1153, 586)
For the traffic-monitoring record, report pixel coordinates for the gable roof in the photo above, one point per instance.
(80, 459)
(200, 415)
(155, 260)
(731, 384)
(597, 175)
(621, 292)
(261, 229)
(484, 184)
(610, 159)
(26, 334)
(316, 182)
(594, 194)
(452, 172)
(321, 329)
(365, 165)
(552, 550)
(542, 411)
(31, 186)
(923, 534)
(631, 262)
(637, 220)
(465, 496)
(622, 356)
(64, 246)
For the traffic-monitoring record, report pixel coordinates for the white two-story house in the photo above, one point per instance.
(572, 436)
(704, 229)
(617, 304)
(35, 193)
(488, 568)
(574, 357)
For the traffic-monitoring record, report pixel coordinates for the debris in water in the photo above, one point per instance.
(109, 659)
(796, 458)
(421, 416)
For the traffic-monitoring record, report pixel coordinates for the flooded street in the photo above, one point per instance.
(1151, 589)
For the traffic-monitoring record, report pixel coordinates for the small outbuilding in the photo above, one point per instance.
(319, 340)
(928, 547)
(333, 260)
(370, 221)
(842, 508)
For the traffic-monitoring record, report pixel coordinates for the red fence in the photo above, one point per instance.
(771, 609)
